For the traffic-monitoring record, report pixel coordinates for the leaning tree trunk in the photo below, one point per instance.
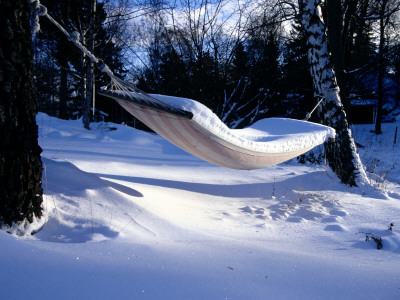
(20, 164)
(342, 154)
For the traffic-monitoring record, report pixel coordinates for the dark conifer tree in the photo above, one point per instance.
(173, 74)
(297, 84)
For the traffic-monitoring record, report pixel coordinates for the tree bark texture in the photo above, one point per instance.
(20, 163)
(342, 154)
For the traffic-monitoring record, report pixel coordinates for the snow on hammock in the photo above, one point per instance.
(196, 129)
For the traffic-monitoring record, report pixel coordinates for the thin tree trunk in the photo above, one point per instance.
(20, 163)
(342, 154)
(89, 68)
(62, 49)
(381, 70)
(63, 91)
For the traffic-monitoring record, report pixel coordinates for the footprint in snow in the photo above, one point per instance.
(338, 212)
(335, 227)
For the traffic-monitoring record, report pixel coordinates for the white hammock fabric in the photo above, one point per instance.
(194, 128)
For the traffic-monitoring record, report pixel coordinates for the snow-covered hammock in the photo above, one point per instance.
(194, 128)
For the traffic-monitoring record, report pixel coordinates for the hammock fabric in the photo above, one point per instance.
(182, 128)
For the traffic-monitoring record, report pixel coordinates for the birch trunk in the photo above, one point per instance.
(342, 154)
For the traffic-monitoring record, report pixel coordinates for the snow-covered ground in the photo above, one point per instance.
(130, 216)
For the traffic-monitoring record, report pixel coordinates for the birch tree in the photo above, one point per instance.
(342, 154)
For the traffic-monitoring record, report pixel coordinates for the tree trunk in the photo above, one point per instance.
(89, 68)
(63, 91)
(62, 47)
(342, 154)
(20, 163)
(381, 68)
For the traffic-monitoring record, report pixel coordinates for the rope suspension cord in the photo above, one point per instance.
(322, 96)
(40, 10)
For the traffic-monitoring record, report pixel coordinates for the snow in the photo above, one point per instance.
(272, 135)
(130, 216)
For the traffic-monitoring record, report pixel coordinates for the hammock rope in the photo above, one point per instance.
(116, 84)
(322, 98)
(40, 10)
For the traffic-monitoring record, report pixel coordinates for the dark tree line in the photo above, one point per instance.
(254, 68)
(265, 70)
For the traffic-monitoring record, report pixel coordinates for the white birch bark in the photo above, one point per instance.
(342, 154)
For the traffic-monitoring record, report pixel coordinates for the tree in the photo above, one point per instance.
(342, 154)
(20, 163)
(89, 65)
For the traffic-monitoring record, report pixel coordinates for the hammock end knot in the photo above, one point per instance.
(74, 37)
(41, 10)
(38, 10)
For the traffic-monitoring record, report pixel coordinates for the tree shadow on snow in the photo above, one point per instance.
(66, 178)
(80, 200)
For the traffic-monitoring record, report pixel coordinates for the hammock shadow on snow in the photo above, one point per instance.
(239, 190)
(296, 198)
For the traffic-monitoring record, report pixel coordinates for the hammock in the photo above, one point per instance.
(194, 128)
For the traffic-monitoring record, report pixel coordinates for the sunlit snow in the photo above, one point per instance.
(130, 216)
